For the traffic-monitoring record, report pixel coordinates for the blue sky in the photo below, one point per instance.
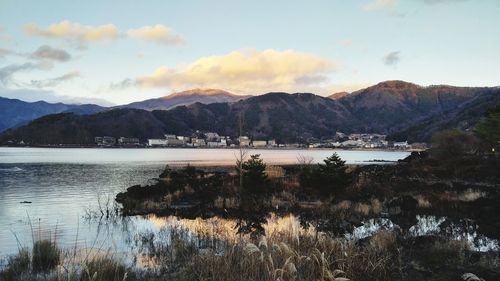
(123, 51)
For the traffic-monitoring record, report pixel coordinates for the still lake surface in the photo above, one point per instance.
(62, 184)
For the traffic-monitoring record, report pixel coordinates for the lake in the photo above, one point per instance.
(62, 184)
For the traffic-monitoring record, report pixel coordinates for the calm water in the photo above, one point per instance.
(63, 183)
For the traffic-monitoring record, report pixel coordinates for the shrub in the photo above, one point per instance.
(46, 256)
(106, 269)
(16, 266)
(452, 144)
(488, 129)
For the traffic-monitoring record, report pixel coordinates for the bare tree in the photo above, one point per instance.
(304, 160)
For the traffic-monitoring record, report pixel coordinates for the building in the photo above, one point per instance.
(401, 145)
(170, 137)
(212, 136)
(175, 142)
(105, 141)
(353, 143)
(123, 141)
(244, 141)
(157, 142)
(259, 143)
(197, 142)
(271, 143)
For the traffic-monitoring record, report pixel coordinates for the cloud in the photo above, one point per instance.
(158, 34)
(392, 58)
(49, 53)
(346, 42)
(8, 71)
(4, 52)
(74, 31)
(380, 4)
(32, 95)
(122, 85)
(443, 1)
(389, 6)
(55, 81)
(80, 34)
(245, 71)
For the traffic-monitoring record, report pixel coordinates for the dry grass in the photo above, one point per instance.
(283, 201)
(342, 205)
(422, 202)
(468, 195)
(374, 207)
(274, 171)
(362, 209)
(210, 249)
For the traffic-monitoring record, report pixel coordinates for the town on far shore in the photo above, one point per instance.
(214, 140)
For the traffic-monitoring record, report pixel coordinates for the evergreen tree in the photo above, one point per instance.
(253, 174)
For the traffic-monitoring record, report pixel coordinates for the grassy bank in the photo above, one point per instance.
(212, 250)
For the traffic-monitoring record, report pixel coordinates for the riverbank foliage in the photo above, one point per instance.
(288, 251)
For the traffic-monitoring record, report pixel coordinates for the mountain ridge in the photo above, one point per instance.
(404, 111)
(205, 96)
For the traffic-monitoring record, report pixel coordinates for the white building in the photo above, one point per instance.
(212, 136)
(259, 143)
(244, 141)
(402, 144)
(157, 142)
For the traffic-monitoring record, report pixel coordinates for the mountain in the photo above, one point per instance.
(14, 112)
(403, 110)
(205, 96)
(338, 95)
(394, 106)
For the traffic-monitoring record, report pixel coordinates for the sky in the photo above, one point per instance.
(117, 52)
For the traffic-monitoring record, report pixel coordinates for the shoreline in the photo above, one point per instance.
(229, 148)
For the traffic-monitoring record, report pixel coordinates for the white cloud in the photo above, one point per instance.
(443, 1)
(158, 34)
(52, 82)
(245, 71)
(74, 31)
(8, 71)
(392, 58)
(4, 52)
(80, 34)
(380, 4)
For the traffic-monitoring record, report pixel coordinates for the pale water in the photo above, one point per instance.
(62, 184)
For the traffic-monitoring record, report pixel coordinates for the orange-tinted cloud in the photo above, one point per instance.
(245, 71)
(158, 34)
(74, 31)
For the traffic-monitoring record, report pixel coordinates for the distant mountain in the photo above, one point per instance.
(338, 95)
(403, 110)
(205, 96)
(393, 106)
(14, 112)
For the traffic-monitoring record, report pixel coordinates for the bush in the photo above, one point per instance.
(488, 130)
(106, 269)
(16, 266)
(453, 144)
(46, 256)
